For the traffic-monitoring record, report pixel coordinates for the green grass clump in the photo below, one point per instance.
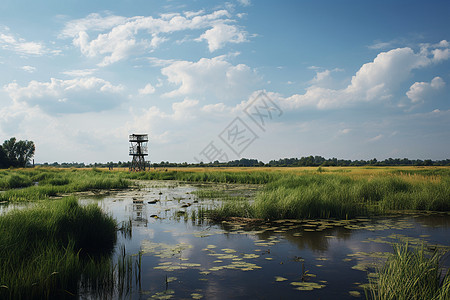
(254, 177)
(410, 275)
(11, 181)
(310, 196)
(237, 208)
(339, 196)
(56, 182)
(47, 249)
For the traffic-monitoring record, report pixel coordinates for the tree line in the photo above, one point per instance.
(15, 153)
(306, 161)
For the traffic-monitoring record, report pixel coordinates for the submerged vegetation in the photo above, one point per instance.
(45, 250)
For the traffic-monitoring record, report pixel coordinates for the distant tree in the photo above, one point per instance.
(4, 161)
(18, 153)
(427, 162)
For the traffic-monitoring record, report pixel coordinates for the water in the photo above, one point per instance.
(188, 258)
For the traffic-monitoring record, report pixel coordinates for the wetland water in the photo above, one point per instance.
(184, 257)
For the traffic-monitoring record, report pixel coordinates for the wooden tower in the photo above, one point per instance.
(138, 149)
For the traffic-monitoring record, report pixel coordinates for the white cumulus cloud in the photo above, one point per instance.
(221, 34)
(115, 38)
(19, 45)
(209, 76)
(420, 91)
(68, 96)
(375, 81)
(147, 90)
(79, 73)
(28, 69)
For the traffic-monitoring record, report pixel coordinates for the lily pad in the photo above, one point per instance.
(307, 286)
(355, 293)
(196, 296)
(279, 278)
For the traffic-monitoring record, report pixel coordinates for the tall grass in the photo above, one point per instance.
(54, 182)
(410, 275)
(47, 249)
(339, 196)
(249, 177)
(287, 194)
(11, 181)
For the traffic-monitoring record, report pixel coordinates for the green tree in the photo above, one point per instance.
(4, 161)
(18, 153)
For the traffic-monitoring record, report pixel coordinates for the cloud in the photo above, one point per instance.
(216, 108)
(165, 127)
(441, 54)
(29, 69)
(93, 22)
(244, 2)
(420, 91)
(190, 14)
(376, 138)
(184, 109)
(19, 45)
(68, 96)
(378, 80)
(442, 44)
(209, 76)
(379, 45)
(79, 73)
(344, 131)
(147, 90)
(120, 37)
(221, 34)
(321, 76)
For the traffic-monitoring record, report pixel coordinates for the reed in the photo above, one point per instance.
(11, 181)
(249, 177)
(410, 274)
(339, 196)
(55, 182)
(47, 249)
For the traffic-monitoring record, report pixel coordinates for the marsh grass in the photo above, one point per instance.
(11, 181)
(249, 177)
(288, 193)
(340, 196)
(56, 182)
(45, 250)
(230, 209)
(209, 193)
(410, 274)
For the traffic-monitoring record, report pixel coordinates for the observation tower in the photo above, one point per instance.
(138, 149)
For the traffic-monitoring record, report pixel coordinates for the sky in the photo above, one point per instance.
(211, 80)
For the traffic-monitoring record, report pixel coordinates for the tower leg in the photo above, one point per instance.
(138, 163)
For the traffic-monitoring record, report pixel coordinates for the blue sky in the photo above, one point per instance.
(210, 80)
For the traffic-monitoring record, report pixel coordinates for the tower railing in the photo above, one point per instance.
(138, 137)
(138, 150)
